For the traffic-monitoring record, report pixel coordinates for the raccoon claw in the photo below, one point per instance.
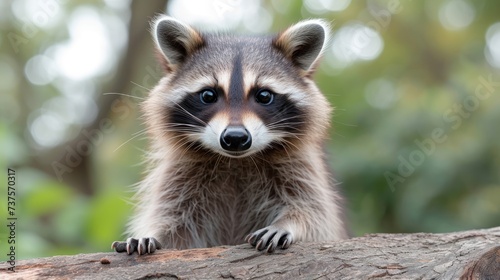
(145, 245)
(269, 238)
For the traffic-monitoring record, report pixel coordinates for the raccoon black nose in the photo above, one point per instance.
(235, 138)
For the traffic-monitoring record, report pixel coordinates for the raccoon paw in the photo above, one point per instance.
(145, 245)
(269, 238)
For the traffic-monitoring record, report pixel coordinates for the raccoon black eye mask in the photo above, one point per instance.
(237, 129)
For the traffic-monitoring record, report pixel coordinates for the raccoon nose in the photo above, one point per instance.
(235, 138)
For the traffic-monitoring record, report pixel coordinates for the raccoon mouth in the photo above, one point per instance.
(234, 154)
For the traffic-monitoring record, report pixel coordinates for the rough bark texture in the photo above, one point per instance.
(461, 255)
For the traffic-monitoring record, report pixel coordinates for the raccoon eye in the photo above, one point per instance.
(264, 97)
(208, 96)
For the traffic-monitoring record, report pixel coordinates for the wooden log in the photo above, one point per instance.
(470, 255)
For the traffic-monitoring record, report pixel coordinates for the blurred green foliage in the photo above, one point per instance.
(384, 107)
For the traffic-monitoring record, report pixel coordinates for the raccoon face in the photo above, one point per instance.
(237, 96)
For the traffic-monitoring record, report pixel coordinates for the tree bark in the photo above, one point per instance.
(461, 255)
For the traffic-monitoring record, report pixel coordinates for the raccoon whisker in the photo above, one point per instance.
(336, 133)
(217, 162)
(183, 127)
(180, 137)
(296, 137)
(290, 144)
(278, 135)
(210, 159)
(193, 116)
(286, 146)
(185, 130)
(178, 141)
(198, 147)
(179, 145)
(286, 121)
(280, 143)
(141, 86)
(283, 127)
(293, 135)
(261, 156)
(284, 111)
(184, 112)
(189, 147)
(182, 124)
(283, 134)
(142, 131)
(189, 114)
(132, 138)
(260, 172)
(346, 124)
(163, 131)
(123, 94)
(285, 124)
(177, 127)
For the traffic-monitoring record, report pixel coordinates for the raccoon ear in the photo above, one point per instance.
(303, 43)
(175, 40)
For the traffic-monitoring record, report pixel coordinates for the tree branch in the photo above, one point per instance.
(461, 255)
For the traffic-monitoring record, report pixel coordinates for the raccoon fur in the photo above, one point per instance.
(237, 129)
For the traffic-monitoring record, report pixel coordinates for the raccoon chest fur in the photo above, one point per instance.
(221, 202)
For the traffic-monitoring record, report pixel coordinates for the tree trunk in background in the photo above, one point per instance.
(131, 66)
(461, 255)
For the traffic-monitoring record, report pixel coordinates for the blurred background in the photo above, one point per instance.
(416, 85)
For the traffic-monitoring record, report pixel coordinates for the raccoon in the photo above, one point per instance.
(237, 129)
